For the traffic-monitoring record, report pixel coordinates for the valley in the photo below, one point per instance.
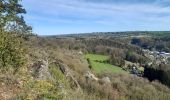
(84, 50)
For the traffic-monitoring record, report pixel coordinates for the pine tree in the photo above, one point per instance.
(12, 25)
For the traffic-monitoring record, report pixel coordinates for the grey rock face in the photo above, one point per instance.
(40, 70)
(67, 72)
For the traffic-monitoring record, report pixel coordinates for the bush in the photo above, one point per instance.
(11, 51)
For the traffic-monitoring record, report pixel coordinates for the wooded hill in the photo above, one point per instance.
(72, 67)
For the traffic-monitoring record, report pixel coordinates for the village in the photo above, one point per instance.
(157, 57)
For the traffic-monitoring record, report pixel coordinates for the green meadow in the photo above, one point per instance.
(98, 65)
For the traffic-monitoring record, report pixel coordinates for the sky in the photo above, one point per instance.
(52, 17)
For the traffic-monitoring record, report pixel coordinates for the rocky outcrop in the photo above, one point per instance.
(89, 76)
(105, 80)
(40, 70)
(67, 72)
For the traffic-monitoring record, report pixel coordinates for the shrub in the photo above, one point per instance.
(11, 51)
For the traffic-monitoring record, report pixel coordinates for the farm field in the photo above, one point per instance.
(98, 65)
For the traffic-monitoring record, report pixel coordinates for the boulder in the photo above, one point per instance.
(40, 70)
(80, 53)
(89, 76)
(105, 80)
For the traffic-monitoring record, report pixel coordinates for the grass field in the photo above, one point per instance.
(99, 67)
(94, 57)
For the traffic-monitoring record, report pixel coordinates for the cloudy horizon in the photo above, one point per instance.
(51, 17)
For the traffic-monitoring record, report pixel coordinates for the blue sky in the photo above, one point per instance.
(51, 17)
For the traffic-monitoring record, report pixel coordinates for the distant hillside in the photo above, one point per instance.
(114, 34)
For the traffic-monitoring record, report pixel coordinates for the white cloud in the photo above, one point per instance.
(57, 7)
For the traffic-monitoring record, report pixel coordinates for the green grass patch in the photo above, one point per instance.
(95, 57)
(101, 66)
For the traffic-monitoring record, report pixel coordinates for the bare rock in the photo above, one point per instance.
(80, 53)
(105, 80)
(40, 70)
(89, 76)
(67, 72)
